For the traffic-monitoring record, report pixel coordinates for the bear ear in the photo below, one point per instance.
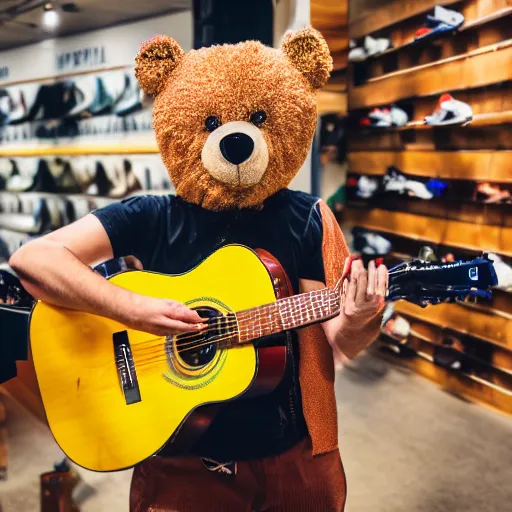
(309, 53)
(156, 59)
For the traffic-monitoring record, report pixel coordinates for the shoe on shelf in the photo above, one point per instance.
(503, 271)
(368, 242)
(356, 53)
(443, 20)
(443, 15)
(375, 46)
(491, 193)
(436, 187)
(450, 111)
(387, 117)
(397, 328)
(367, 187)
(396, 181)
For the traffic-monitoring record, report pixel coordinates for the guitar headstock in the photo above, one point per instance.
(425, 282)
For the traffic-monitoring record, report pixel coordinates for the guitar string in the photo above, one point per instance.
(247, 315)
(158, 358)
(261, 326)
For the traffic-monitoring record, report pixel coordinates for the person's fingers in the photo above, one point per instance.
(382, 280)
(360, 276)
(350, 295)
(183, 313)
(176, 326)
(370, 290)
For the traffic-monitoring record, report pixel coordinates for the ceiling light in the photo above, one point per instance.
(51, 18)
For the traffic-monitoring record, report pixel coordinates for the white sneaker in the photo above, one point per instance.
(357, 55)
(450, 111)
(366, 187)
(375, 46)
(503, 271)
(448, 16)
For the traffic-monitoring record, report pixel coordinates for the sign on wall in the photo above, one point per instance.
(80, 59)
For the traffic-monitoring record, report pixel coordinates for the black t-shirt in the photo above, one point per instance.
(172, 236)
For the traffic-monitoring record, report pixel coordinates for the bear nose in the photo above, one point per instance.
(236, 147)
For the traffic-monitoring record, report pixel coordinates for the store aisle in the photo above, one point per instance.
(407, 446)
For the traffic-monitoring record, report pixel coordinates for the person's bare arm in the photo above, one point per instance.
(57, 268)
(359, 320)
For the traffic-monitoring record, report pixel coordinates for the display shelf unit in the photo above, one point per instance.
(330, 18)
(476, 68)
(452, 165)
(474, 65)
(467, 386)
(485, 325)
(383, 17)
(468, 211)
(69, 150)
(464, 235)
(496, 355)
(63, 76)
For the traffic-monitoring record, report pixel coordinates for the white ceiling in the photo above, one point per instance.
(93, 14)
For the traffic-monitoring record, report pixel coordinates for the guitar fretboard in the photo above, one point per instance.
(288, 313)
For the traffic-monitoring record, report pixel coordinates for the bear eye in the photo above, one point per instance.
(212, 123)
(258, 117)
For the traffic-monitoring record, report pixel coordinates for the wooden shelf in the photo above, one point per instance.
(48, 150)
(467, 386)
(477, 68)
(71, 74)
(468, 211)
(425, 328)
(484, 325)
(471, 25)
(484, 119)
(500, 357)
(389, 14)
(329, 102)
(473, 237)
(463, 165)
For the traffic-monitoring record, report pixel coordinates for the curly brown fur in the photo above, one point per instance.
(231, 82)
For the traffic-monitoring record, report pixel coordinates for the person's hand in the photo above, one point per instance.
(162, 317)
(363, 294)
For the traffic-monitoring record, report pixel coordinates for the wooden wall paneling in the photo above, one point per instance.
(480, 368)
(499, 356)
(464, 165)
(480, 134)
(25, 391)
(471, 212)
(468, 236)
(331, 102)
(367, 17)
(489, 327)
(478, 68)
(482, 32)
(330, 18)
(466, 386)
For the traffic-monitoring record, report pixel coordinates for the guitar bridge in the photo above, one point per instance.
(126, 368)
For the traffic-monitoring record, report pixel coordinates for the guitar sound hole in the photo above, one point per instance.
(199, 349)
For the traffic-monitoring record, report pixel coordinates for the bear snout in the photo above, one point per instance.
(236, 147)
(236, 154)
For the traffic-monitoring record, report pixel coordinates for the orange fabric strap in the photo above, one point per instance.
(316, 370)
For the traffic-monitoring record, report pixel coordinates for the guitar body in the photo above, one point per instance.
(96, 416)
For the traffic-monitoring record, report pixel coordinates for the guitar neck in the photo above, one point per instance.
(288, 313)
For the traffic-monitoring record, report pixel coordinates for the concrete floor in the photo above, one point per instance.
(406, 445)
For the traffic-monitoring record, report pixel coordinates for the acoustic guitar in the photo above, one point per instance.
(115, 396)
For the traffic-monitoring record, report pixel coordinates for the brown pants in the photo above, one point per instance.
(294, 481)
